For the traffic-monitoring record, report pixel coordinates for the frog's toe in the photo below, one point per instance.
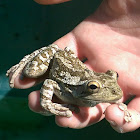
(57, 109)
(66, 113)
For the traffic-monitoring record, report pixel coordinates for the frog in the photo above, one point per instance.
(68, 79)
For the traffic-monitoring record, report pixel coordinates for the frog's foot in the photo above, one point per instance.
(56, 109)
(64, 110)
(127, 114)
(17, 69)
(12, 69)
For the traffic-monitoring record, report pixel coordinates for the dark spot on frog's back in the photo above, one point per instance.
(47, 88)
(38, 60)
(50, 52)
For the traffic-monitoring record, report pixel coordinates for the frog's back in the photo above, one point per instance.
(67, 68)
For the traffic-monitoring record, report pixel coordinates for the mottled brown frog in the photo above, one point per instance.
(69, 79)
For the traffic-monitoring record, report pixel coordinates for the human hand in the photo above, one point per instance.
(109, 39)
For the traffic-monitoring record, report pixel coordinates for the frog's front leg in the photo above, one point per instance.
(30, 63)
(49, 88)
(127, 114)
(40, 63)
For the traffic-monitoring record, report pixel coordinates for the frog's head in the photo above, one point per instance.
(104, 88)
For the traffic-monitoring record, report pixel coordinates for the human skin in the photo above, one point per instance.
(109, 39)
(47, 2)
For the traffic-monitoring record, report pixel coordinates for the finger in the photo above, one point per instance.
(116, 117)
(22, 82)
(48, 2)
(34, 101)
(86, 117)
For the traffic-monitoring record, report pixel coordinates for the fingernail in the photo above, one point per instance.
(118, 129)
(112, 123)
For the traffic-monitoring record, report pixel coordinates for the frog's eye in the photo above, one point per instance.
(93, 86)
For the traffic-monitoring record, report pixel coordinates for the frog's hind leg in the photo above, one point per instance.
(17, 69)
(49, 88)
(40, 63)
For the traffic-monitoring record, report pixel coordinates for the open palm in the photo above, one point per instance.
(107, 43)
